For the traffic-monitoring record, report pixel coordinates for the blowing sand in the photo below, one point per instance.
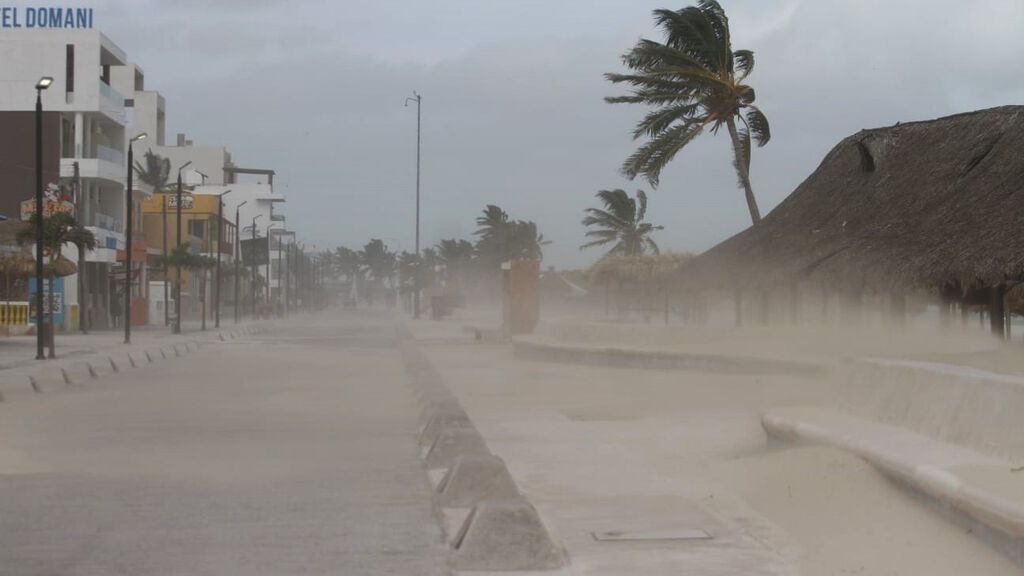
(849, 519)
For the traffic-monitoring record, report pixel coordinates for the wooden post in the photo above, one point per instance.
(738, 302)
(997, 308)
(666, 305)
(765, 303)
(794, 303)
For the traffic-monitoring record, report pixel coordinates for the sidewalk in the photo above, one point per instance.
(81, 357)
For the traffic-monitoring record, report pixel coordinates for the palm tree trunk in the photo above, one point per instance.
(82, 311)
(743, 171)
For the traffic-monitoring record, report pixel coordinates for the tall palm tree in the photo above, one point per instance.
(694, 81)
(492, 229)
(524, 241)
(621, 221)
(379, 261)
(155, 171)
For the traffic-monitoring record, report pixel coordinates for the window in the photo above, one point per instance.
(69, 69)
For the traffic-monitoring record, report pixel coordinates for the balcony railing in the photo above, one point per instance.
(109, 93)
(106, 222)
(109, 154)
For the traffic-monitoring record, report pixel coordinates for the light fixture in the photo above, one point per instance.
(44, 83)
(139, 137)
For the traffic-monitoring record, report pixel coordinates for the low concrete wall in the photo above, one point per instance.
(549, 350)
(962, 406)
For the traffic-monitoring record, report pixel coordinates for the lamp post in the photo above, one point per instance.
(177, 246)
(255, 266)
(238, 248)
(128, 244)
(416, 273)
(220, 241)
(43, 84)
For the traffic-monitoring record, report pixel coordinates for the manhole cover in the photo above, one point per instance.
(648, 535)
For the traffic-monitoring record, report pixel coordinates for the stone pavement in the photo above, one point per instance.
(289, 452)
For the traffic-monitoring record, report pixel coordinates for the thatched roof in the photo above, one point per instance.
(912, 205)
(639, 269)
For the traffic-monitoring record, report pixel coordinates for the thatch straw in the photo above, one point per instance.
(914, 205)
(644, 269)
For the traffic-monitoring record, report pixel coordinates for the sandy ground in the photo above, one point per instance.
(609, 448)
(293, 452)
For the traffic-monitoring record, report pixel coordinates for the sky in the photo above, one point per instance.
(513, 110)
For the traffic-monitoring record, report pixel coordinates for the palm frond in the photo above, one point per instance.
(759, 128)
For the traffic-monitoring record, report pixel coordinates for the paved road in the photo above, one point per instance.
(291, 453)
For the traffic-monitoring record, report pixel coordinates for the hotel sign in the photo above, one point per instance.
(45, 17)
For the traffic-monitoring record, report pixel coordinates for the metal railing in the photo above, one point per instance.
(109, 154)
(14, 313)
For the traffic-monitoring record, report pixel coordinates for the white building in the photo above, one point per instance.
(94, 128)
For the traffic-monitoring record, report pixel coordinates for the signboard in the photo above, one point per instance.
(57, 299)
(55, 201)
(45, 17)
(255, 252)
(172, 201)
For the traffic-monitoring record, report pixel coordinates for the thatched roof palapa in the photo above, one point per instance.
(914, 205)
(643, 269)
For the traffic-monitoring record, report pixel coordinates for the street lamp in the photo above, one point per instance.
(220, 242)
(177, 287)
(128, 245)
(43, 84)
(416, 273)
(238, 247)
(255, 266)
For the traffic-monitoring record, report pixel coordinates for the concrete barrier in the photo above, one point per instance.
(441, 422)
(453, 443)
(548, 350)
(475, 478)
(505, 535)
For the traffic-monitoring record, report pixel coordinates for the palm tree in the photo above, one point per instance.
(58, 230)
(83, 240)
(694, 81)
(524, 241)
(621, 221)
(156, 171)
(379, 261)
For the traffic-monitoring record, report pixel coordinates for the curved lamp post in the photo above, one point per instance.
(128, 245)
(177, 245)
(43, 84)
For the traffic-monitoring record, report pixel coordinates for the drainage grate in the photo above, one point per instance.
(641, 536)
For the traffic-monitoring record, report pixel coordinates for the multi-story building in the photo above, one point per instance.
(201, 228)
(86, 129)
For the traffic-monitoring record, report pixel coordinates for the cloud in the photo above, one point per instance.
(513, 111)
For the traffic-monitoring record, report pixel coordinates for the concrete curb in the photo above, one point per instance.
(923, 465)
(54, 375)
(546, 350)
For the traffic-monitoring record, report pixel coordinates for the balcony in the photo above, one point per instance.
(112, 104)
(110, 155)
(97, 168)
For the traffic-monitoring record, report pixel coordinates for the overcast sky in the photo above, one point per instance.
(512, 101)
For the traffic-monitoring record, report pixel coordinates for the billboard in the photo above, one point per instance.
(56, 300)
(255, 252)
